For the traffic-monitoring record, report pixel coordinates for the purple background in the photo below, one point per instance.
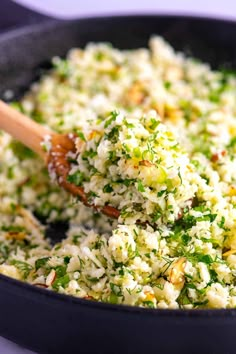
(75, 8)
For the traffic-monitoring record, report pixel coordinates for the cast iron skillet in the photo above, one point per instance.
(52, 323)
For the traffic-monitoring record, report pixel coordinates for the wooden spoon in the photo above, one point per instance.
(33, 135)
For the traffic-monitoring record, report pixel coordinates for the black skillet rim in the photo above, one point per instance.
(15, 284)
(51, 22)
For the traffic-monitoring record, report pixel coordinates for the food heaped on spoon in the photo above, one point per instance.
(135, 165)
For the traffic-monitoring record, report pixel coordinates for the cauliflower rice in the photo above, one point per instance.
(158, 134)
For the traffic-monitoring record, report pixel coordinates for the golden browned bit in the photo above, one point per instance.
(176, 275)
(136, 94)
(146, 163)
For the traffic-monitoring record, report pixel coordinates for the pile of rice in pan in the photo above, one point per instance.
(158, 133)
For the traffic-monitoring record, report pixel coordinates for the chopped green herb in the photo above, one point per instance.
(116, 289)
(89, 154)
(77, 178)
(185, 239)
(149, 304)
(160, 193)
(4, 252)
(67, 259)
(12, 228)
(154, 123)
(41, 262)
(167, 85)
(107, 188)
(113, 135)
(62, 67)
(140, 186)
(61, 282)
(111, 119)
(23, 267)
(81, 135)
(60, 271)
(205, 258)
(114, 299)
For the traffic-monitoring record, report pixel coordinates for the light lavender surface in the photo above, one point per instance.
(7, 347)
(75, 8)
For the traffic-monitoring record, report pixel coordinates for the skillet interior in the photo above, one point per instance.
(25, 51)
(53, 323)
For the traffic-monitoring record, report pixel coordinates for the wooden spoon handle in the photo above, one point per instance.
(23, 128)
